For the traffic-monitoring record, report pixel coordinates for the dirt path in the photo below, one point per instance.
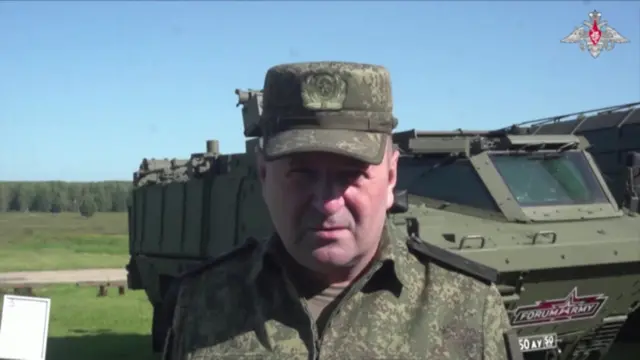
(63, 276)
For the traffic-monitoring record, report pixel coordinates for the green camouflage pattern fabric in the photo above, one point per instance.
(336, 107)
(403, 308)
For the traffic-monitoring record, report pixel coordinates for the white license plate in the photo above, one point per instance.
(538, 342)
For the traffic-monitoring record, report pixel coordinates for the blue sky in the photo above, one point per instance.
(88, 89)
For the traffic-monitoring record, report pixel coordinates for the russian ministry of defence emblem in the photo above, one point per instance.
(323, 92)
(595, 35)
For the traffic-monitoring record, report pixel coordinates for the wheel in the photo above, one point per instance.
(630, 332)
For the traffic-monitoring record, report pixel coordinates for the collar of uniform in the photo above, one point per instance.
(393, 252)
(274, 250)
(261, 256)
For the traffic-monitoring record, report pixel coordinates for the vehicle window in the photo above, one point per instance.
(552, 179)
(456, 182)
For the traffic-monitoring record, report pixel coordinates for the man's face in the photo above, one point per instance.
(328, 209)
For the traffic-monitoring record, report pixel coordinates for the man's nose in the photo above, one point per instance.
(327, 195)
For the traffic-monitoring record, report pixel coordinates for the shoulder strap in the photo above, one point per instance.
(170, 299)
(452, 261)
(248, 246)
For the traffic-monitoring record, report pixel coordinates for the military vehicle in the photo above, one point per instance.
(535, 208)
(614, 137)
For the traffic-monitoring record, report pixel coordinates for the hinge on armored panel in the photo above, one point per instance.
(511, 290)
(510, 295)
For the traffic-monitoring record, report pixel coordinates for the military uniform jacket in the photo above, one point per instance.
(404, 307)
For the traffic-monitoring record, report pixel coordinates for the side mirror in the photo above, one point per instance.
(400, 202)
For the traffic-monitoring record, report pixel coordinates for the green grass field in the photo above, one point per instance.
(42, 241)
(82, 326)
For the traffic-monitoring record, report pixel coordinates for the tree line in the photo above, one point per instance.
(60, 196)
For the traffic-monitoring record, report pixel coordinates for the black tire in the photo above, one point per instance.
(630, 332)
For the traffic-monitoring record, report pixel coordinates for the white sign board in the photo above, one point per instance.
(24, 327)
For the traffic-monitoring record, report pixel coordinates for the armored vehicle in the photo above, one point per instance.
(614, 137)
(535, 208)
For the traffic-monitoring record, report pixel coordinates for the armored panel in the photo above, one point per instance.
(152, 220)
(222, 215)
(608, 162)
(193, 218)
(172, 218)
(630, 135)
(138, 218)
(253, 216)
(606, 131)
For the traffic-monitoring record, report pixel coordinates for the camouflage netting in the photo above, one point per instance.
(161, 171)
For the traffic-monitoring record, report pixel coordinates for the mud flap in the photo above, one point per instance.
(167, 349)
(163, 314)
(158, 328)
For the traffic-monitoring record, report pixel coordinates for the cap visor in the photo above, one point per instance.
(364, 146)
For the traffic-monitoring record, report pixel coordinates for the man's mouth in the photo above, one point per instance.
(328, 228)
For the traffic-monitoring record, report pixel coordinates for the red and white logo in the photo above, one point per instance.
(570, 308)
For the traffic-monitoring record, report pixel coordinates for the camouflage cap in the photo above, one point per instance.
(336, 107)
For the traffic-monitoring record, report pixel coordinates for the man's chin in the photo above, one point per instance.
(331, 255)
(329, 236)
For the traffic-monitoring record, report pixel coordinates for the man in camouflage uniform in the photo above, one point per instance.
(339, 280)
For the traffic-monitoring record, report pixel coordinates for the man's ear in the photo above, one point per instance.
(393, 167)
(393, 175)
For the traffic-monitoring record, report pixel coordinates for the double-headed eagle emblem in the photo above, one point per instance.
(595, 35)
